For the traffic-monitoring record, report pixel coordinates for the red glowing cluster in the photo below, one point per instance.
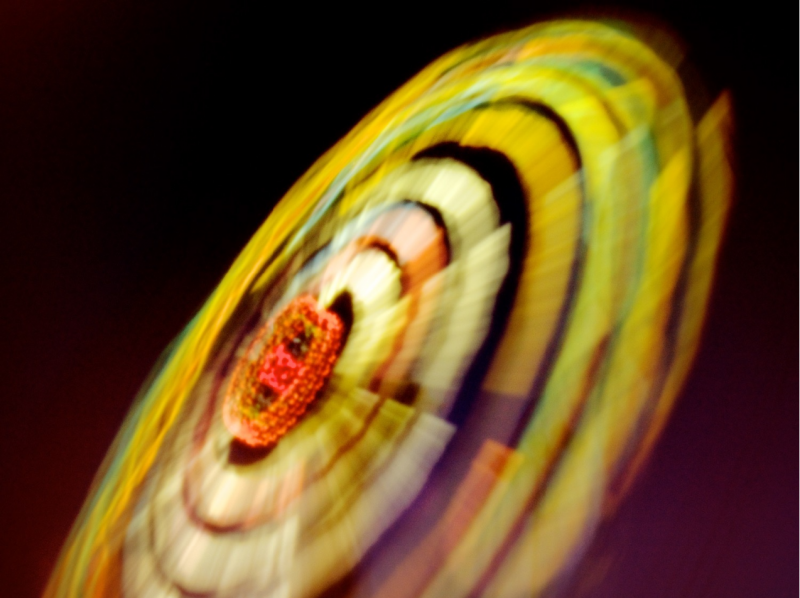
(279, 369)
(268, 395)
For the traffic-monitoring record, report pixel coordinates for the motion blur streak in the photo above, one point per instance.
(438, 364)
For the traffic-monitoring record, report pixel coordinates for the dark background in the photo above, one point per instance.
(141, 144)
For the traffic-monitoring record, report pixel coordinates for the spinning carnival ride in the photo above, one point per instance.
(436, 367)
